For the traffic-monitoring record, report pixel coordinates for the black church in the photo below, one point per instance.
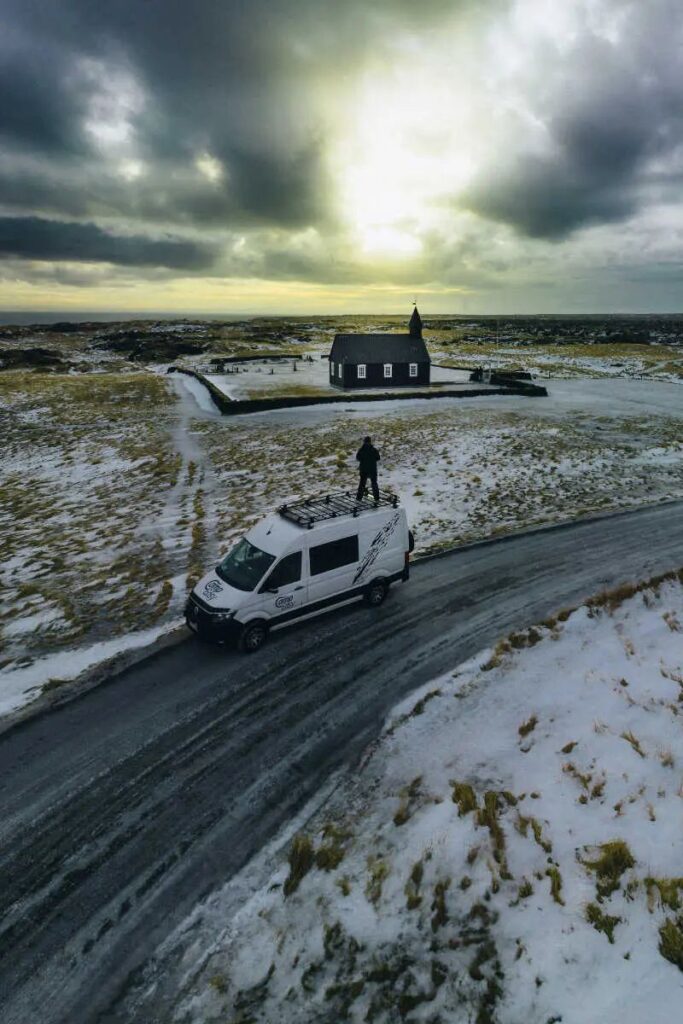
(380, 360)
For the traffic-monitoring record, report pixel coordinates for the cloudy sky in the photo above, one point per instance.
(235, 156)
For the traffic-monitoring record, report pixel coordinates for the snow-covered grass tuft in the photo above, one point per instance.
(87, 465)
(656, 362)
(510, 850)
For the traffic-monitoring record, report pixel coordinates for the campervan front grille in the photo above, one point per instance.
(202, 605)
(319, 509)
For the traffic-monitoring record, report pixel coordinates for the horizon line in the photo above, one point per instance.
(67, 314)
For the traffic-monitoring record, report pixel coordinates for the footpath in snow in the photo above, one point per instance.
(511, 850)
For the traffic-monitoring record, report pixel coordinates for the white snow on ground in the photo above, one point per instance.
(510, 850)
(602, 397)
(119, 490)
(261, 379)
(198, 392)
(20, 685)
(224, 384)
(102, 513)
(464, 468)
(663, 364)
(171, 328)
(257, 379)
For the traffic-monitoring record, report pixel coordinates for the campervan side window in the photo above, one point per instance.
(285, 572)
(325, 557)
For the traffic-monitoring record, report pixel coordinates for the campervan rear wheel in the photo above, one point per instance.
(253, 636)
(376, 592)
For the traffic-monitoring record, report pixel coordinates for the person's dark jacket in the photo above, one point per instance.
(368, 457)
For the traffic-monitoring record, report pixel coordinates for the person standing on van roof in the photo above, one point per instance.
(368, 457)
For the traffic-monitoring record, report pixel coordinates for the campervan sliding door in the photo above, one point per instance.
(332, 568)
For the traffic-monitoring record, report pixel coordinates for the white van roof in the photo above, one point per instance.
(275, 533)
(336, 505)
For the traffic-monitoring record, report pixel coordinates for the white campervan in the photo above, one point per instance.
(304, 559)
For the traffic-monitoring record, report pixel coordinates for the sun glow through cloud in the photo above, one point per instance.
(131, 170)
(210, 168)
(525, 153)
(406, 147)
(115, 101)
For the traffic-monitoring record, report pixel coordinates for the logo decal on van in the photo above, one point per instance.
(212, 589)
(378, 545)
(286, 601)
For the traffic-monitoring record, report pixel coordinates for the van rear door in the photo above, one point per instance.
(332, 567)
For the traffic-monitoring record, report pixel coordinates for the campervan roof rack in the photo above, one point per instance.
(310, 511)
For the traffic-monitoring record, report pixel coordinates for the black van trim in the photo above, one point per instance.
(229, 630)
(328, 602)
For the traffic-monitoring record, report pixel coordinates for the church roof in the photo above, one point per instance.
(378, 348)
(415, 325)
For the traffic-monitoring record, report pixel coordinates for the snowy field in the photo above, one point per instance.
(100, 514)
(650, 362)
(465, 469)
(275, 378)
(509, 851)
(120, 489)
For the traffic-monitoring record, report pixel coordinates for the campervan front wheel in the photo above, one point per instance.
(376, 592)
(253, 636)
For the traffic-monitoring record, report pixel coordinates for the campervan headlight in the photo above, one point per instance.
(223, 615)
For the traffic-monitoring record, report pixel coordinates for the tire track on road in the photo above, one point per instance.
(175, 773)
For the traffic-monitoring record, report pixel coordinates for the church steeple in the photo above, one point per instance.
(415, 324)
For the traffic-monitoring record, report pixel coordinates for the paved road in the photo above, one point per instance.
(120, 810)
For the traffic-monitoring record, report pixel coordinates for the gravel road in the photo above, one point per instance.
(120, 810)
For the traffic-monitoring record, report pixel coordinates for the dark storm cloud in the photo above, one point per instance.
(31, 114)
(239, 80)
(591, 176)
(165, 197)
(33, 238)
(608, 109)
(230, 77)
(212, 79)
(551, 197)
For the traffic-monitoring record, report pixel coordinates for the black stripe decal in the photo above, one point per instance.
(326, 602)
(316, 606)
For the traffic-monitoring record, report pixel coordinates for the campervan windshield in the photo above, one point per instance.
(244, 566)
